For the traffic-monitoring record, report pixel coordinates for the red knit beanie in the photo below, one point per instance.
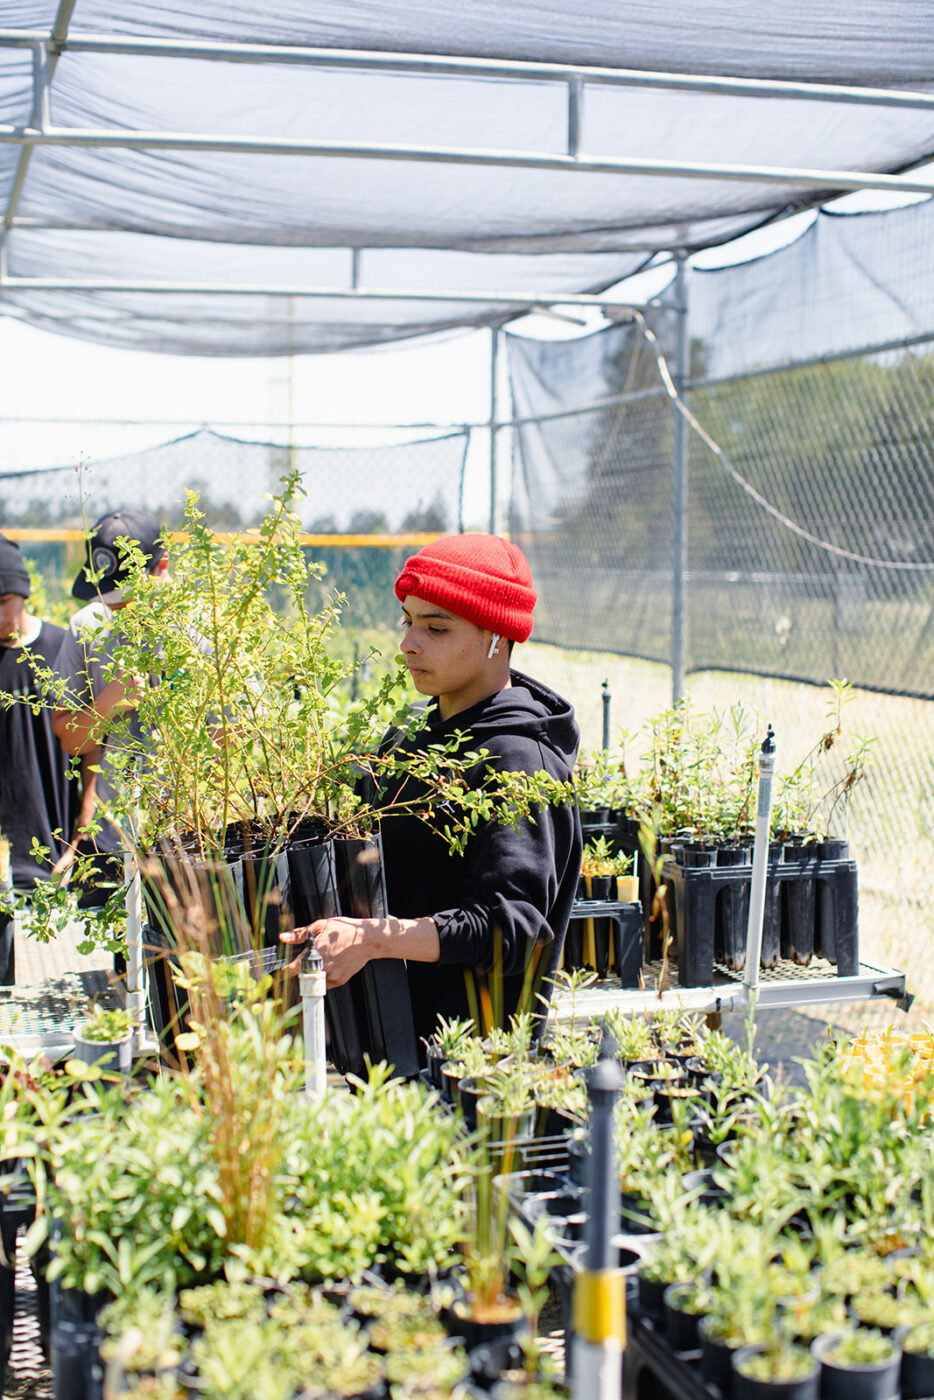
(483, 578)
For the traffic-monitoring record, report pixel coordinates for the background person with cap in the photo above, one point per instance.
(91, 698)
(36, 798)
(505, 902)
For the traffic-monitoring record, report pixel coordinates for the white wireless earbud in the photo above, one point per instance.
(494, 649)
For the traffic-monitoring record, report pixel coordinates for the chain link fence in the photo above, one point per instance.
(373, 500)
(810, 516)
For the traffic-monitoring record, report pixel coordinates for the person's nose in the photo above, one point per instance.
(409, 642)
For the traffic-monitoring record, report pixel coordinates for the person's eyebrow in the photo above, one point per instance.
(448, 617)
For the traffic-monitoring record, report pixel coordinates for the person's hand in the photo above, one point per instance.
(345, 945)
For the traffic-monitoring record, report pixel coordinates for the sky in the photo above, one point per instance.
(124, 400)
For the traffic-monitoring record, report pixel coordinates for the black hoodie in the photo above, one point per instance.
(511, 891)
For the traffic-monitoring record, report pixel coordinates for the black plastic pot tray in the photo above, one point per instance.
(811, 907)
(624, 949)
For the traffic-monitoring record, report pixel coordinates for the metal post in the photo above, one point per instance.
(41, 118)
(760, 860)
(679, 492)
(599, 1317)
(312, 986)
(606, 716)
(494, 401)
(575, 114)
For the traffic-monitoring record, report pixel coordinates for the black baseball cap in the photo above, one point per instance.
(105, 557)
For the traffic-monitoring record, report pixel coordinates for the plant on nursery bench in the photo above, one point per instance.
(107, 1024)
(599, 859)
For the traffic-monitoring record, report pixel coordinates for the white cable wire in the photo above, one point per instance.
(672, 392)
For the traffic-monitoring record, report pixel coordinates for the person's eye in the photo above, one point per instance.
(440, 630)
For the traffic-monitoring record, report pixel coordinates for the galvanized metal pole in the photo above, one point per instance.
(494, 405)
(679, 490)
(760, 860)
(606, 697)
(599, 1309)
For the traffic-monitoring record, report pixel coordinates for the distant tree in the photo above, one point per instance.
(367, 522)
(427, 519)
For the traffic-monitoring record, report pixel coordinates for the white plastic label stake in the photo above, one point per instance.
(760, 861)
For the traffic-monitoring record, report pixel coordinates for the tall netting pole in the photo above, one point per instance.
(495, 334)
(679, 492)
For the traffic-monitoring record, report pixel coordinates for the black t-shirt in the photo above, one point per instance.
(36, 798)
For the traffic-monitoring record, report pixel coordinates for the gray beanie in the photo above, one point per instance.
(14, 576)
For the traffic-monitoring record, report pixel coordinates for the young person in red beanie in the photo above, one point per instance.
(503, 904)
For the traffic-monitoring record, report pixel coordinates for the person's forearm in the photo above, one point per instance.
(347, 945)
(415, 939)
(80, 731)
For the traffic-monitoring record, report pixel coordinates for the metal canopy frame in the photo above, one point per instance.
(502, 304)
(46, 48)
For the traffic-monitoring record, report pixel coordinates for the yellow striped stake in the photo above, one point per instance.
(599, 1310)
(590, 942)
(599, 1339)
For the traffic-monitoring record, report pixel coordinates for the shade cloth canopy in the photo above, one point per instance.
(163, 191)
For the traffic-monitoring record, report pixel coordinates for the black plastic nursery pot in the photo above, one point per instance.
(564, 1211)
(747, 1387)
(702, 1184)
(480, 1331)
(77, 1370)
(263, 885)
(868, 1381)
(716, 1360)
(799, 904)
(372, 1013)
(602, 888)
(679, 1319)
(731, 912)
(114, 1056)
(917, 1373)
(174, 880)
(502, 1359)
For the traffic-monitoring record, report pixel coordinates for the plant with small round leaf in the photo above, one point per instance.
(780, 1361)
(141, 1332)
(106, 1024)
(220, 1300)
(919, 1339)
(433, 1371)
(885, 1310)
(861, 1346)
